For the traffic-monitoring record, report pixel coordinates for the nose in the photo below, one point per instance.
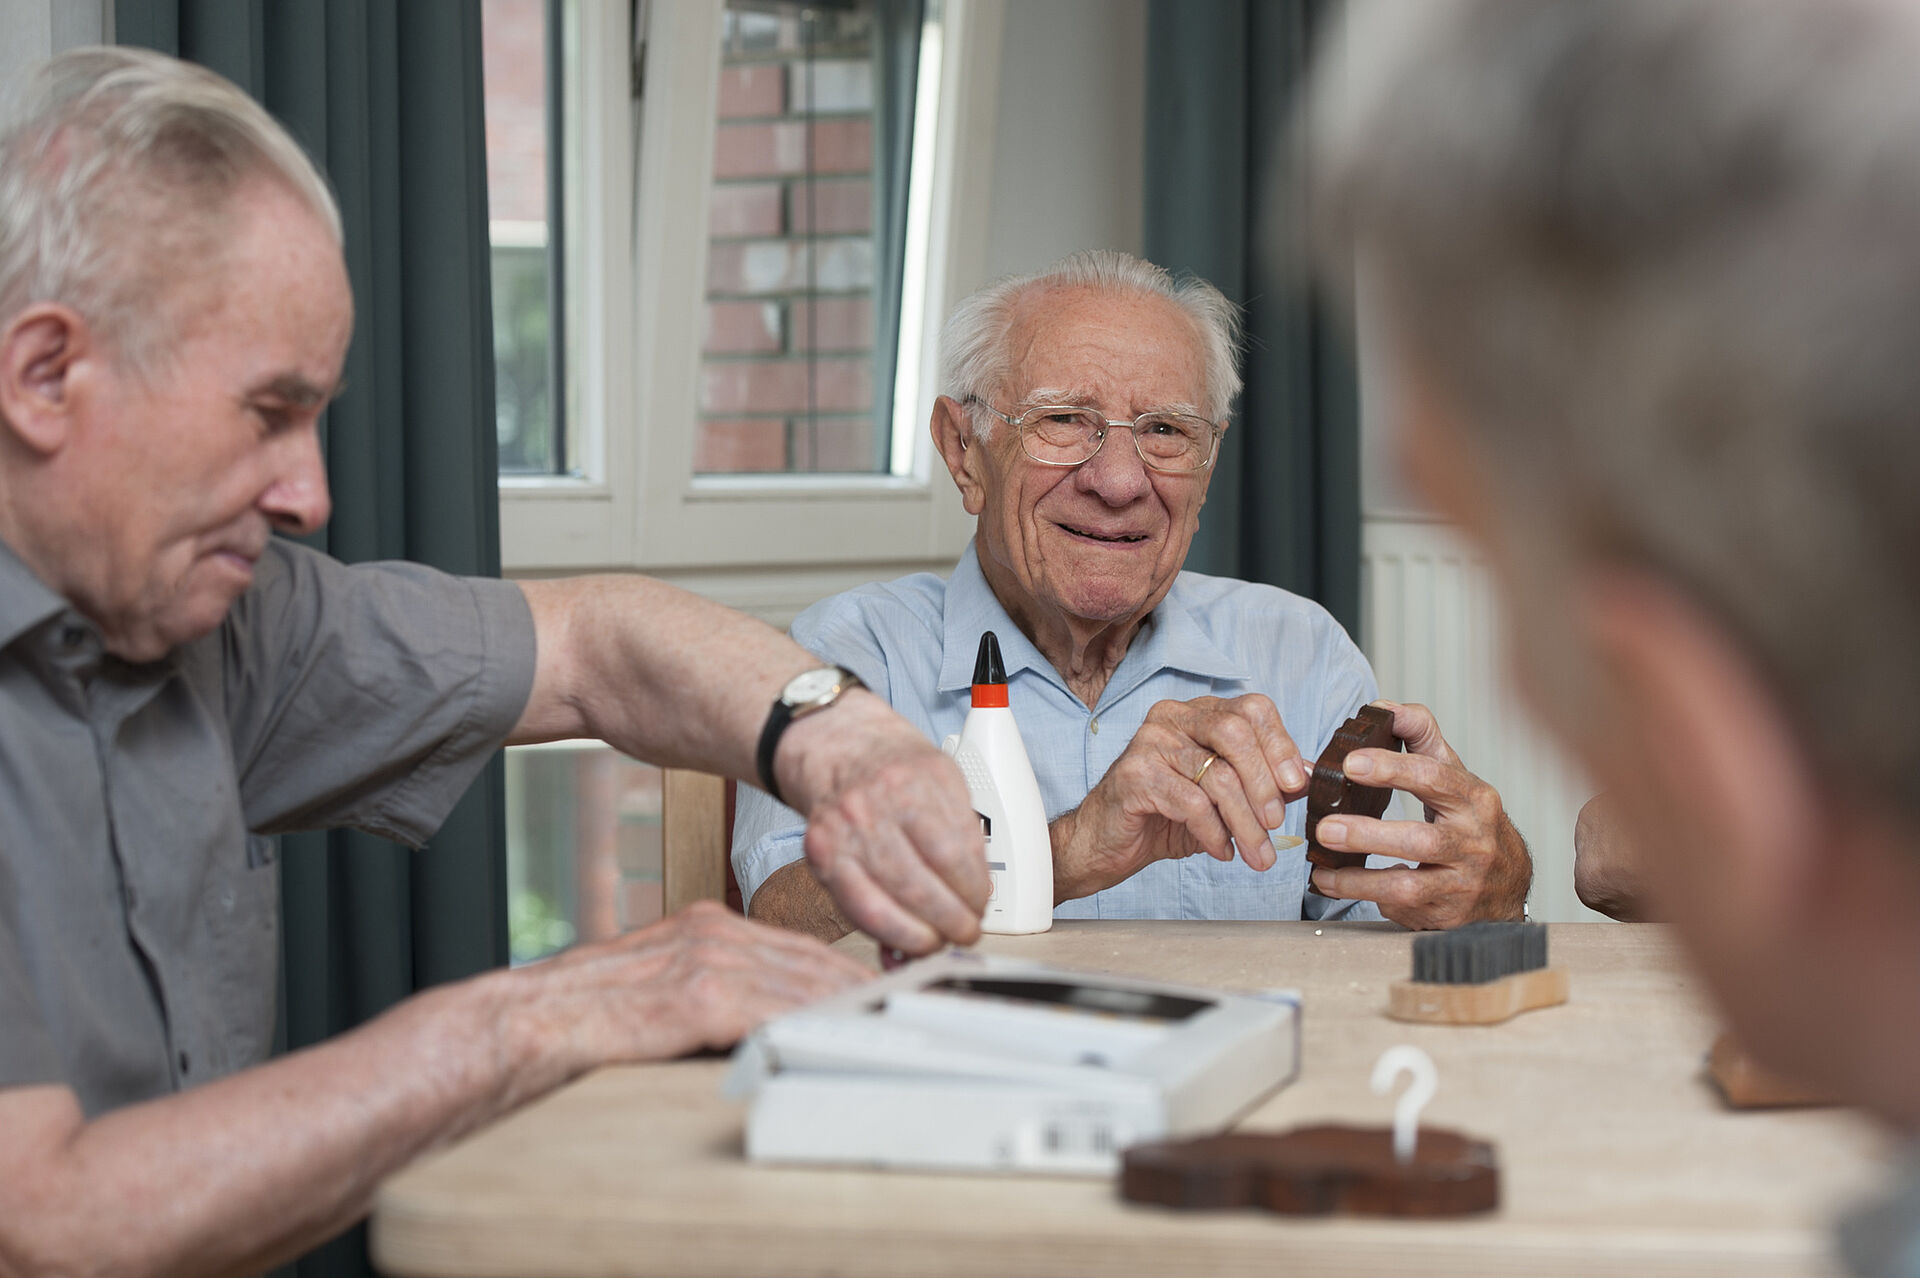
(1116, 474)
(297, 500)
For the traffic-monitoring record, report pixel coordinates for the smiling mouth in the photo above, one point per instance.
(1118, 539)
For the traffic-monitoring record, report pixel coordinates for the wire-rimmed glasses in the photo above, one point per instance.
(1068, 435)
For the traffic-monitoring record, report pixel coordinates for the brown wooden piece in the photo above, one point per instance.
(1744, 1083)
(1329, 791)
(1317, 1171)
(1488, 1003)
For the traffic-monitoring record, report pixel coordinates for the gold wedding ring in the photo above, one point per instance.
(1203, 768)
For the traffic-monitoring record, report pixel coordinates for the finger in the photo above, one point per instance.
(1395, 886)
(1192, 808)
(1283, 755)
(1448, 788)
(1222, 788)
(1414, 724)
(861, 821)
(1403, 840)
(868, 904)
(1248, 734)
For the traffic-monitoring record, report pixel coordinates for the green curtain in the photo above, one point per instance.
(1224, 200)
(386, 95)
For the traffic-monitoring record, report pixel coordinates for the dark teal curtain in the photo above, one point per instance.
(1225, 200)
(386, 96)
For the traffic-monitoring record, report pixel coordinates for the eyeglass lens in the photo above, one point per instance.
(1167, 441)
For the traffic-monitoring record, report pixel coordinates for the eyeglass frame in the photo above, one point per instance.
(1020, 424)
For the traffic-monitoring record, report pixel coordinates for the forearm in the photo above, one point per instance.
(246, 1172)
(794, 899)
(660, 673)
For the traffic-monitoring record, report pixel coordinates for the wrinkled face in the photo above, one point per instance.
(1100, 542)
(185, 473)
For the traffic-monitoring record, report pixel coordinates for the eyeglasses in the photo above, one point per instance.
(1065, 435)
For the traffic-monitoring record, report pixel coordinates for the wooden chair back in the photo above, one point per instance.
(696, 836)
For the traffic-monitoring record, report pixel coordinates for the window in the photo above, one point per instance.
(758, 243)
(716, 284)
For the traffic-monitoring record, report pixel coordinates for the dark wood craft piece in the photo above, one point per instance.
(1329, 791)
(1316, 1171)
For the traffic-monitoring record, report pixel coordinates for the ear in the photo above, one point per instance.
(40, 350)
(965, 458)
(1703, 755)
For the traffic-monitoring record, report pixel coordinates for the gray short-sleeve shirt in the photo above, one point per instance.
(139, 905)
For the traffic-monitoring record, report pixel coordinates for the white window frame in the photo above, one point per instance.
(768, 543)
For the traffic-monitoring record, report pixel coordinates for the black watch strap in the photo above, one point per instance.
(777, 720)
(782, 715)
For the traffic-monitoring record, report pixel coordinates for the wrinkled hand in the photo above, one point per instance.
(700, 978)
(1473, 864)
(1149, 808)
(891, 832)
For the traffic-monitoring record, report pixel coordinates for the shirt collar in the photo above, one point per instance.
(1171, 638)
(25, 600)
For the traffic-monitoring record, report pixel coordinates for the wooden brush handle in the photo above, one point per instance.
(1488, 1003)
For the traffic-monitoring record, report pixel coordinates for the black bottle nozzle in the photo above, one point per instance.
(987, 666)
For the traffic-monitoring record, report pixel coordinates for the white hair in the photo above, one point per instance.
(974, 356)
(1665, 256)
(116, 168)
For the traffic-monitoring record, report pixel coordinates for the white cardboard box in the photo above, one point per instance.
(973, 1063)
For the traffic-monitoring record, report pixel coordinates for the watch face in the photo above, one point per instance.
(811, 686)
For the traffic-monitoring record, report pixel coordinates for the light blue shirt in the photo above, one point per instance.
(914, 640)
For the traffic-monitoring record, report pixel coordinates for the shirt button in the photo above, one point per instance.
(186, 1063)
(1093, 726)
(72, 637)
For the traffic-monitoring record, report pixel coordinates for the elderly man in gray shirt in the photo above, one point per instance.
(175, 685)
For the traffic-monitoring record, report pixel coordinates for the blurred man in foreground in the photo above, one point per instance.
(176, 684)
(1647, 277)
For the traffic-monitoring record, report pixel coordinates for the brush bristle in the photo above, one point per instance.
(1479, 952)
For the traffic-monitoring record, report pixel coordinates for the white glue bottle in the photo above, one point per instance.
(1000, 778)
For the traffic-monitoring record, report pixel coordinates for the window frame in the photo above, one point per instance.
(640, 211)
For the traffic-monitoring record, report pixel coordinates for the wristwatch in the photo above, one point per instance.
(806, 692)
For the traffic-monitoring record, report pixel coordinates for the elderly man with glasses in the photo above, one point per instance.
(1165, 712)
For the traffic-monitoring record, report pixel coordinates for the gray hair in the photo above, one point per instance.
(116, 166)
(975, 360)
(1665, 257)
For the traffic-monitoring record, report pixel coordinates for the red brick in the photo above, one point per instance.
(831, 208)
(840, 265)
(512, 44)
(782, 386)
(756, 266)
(842, 445)
(749, 208)
(742, 328)
(734, 447)
(752, 90)
(778, 148)
(832, 323)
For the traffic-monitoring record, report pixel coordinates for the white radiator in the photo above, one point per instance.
(1430, 624)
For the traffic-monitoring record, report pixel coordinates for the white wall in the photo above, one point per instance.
(36, 29)
(1070, 137)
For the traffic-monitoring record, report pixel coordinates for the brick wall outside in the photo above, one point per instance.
(786, 378)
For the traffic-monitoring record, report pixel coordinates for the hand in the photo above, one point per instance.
(1607, 874)
(701, 978)
(1473, 864)
(891, 831)
(1149, 807)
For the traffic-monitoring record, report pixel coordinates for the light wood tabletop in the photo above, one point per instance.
(1616, 1154)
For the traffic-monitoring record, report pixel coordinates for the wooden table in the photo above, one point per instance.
(1617, 1156)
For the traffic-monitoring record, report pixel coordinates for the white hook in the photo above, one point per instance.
(1394, 1062)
